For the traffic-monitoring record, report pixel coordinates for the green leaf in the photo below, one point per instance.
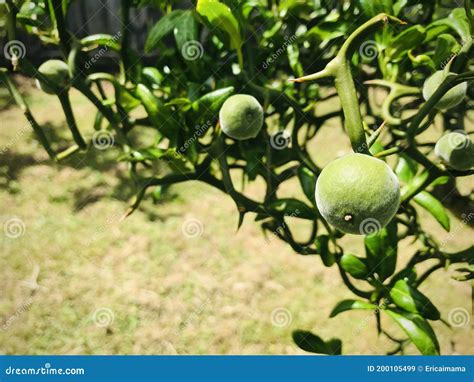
(150, 153)
(381, 250)
(418, 329)
(446, 47)
(354, 265)
(100, 39)
(414, 184)
(406, 40)
(161, 117)
(164, 26)
(219, 16)
(185, 32)
(434, 207)
(308, 182)
(207, 107)
(346, 305)
(153, 76)
(312, 343)
(294, 60)
(457, 21)
(411, 300)
(440, 181)
(406, 168)
(125, 98)
(322, 245)
(398, 6)
(372, 8)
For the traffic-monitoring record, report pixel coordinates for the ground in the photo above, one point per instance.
(78, 280)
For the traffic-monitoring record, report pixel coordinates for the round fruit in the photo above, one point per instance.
(56, 71)
(451, 98)
(241, 117)
(358, 194)
(456, 150)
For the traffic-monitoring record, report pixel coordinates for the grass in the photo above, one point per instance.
(79, 281)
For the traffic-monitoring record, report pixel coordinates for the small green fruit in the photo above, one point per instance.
(358, 194)
(451, 98)
(241, 117)
(456, 150)
(56, 71)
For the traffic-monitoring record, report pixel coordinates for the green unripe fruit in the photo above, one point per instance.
(451, 98)
(456, 150)
(358, 194)
(56, 71)
(241, 117)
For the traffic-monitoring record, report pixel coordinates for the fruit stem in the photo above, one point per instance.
(350, 106)
(340, 68)
(71, 121)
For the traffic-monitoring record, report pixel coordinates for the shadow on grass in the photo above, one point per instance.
(103, 163)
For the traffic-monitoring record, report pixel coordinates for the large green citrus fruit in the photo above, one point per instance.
(358, 194)
(56, 71)
(451, 98)
(456, 150)
(241, 117)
